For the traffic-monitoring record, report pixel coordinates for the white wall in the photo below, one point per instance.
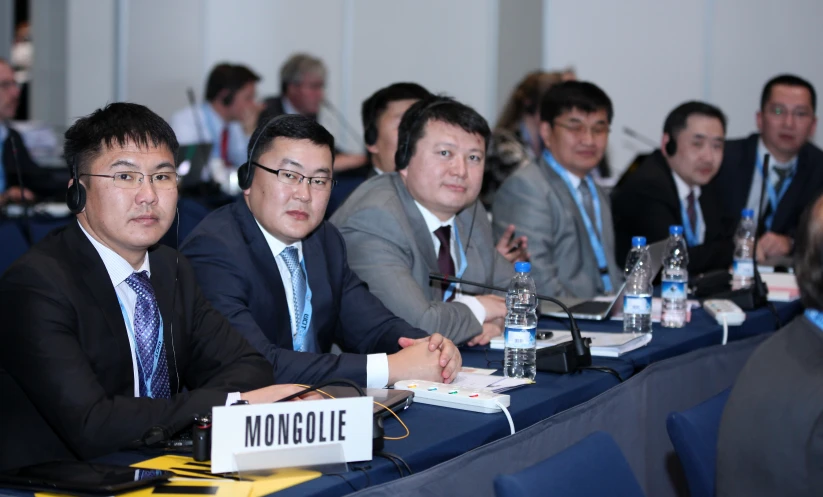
(90, 71)
(650, 55)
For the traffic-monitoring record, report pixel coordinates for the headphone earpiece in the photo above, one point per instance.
(228, 98)
(76, 194)
(671, 147)
(370, 134)
(245, 175)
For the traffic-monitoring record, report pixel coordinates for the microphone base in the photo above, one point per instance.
(562, 358)
(747, 299)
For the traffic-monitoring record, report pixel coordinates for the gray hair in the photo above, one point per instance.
(298, 66)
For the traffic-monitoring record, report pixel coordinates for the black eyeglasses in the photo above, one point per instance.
(130, 180)
(322, 183)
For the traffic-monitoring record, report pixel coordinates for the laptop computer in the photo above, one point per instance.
(191, 160)
(598, 309)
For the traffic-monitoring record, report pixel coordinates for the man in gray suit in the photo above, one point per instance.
(771, 433)
(555, 202)
(424, 218)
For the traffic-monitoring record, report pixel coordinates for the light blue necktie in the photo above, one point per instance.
(298, 290)
(146, 335)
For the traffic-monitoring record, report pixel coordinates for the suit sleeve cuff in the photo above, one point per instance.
(377, 370)
(232, 398)
(474, 305)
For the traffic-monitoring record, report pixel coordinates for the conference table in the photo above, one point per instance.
(438, 434)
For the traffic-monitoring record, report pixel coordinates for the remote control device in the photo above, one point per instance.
(721, 308)
(441, 394)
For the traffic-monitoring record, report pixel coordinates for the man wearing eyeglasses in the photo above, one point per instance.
(556, 203)
(278, 271)
(107, 342)
(786, 121)
(13, 153)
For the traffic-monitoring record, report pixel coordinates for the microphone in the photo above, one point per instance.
(342, 120)
(566, 357)
(639, 137)
(198, 123)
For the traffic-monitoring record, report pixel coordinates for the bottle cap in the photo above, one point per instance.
(638, 241)
(523, 267)
(748, 213)
(675, 229)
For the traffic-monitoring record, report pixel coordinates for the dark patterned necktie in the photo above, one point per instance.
(691, 212)
(146, 336)
(444, 258)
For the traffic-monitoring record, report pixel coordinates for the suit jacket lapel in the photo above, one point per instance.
(802, 177)
(421, 233)
(317, 273)
(265, 263)
(163, 279)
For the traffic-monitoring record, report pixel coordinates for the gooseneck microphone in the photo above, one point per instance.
(198, 123)
(566, 357)
(645, 140)
(358, 140)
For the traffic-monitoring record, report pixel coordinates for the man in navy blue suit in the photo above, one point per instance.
(279, 273)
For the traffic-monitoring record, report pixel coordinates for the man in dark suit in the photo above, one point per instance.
(771, 433)
(668, 188)
(279, 272)
(107, 342)
(787, 122)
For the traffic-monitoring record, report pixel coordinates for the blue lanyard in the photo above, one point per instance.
(691, 233)
(816, 317)
(213, 131)
(774, 197)
(594, 237)
(302, 328)
(450, 290)
(148, 376)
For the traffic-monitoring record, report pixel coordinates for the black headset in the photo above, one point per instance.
(245, 173)
(370, 133)
(671, 146)
(401, 157)
(76, 194)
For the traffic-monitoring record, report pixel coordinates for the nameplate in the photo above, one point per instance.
(291, 426)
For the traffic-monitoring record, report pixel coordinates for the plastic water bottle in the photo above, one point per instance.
(638, 246)
(521, 325)
(675, 277)
(637, 297)
(743, 272)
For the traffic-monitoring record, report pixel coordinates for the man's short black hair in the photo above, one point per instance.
(435, 108)
(231, 77)
(788, 80)
(374, 106)
(808, 255)
(115, 125)
(294, 126)
(676, 120)
(581, 95)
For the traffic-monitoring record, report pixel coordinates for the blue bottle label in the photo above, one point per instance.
(520, 338)
(635, 304)
(673, 290)
(744, 268)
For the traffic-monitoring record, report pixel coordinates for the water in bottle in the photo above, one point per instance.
(638, 246)
(521, 325)
(743, 272)
(675, 278)
(637, 297)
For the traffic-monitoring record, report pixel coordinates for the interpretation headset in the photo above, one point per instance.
(76, 194)
(245, 173)
(370, 133)
(671, 146)
(401, 157)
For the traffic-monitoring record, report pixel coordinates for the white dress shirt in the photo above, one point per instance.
(683, 191)
(377, 365)
(119, 270)
(208, 126)
(757, 179)
(288, 108)
(433, 223)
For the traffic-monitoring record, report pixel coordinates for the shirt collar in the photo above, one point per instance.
(118, 268)
(575, 179)
(762, 150)
(288, 108)
(377, 170)
(276, 246)
(683, 189)
(432, 222)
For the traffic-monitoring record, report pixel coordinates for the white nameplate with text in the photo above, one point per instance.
(264, 428)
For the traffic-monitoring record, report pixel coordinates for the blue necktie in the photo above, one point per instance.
(154, 374)
(298, 290)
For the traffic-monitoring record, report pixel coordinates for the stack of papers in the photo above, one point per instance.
(782, 287)
(603, 344)
(488, 383)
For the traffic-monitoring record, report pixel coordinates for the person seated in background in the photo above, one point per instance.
(278, 271)
(669, 188)
(516, 140)
(786, 121)
(13, 152)
(381, 114)
(302, 91)
(226, 119)
(556, 203)
(108, 343)
(425, 218)
(771, 434)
